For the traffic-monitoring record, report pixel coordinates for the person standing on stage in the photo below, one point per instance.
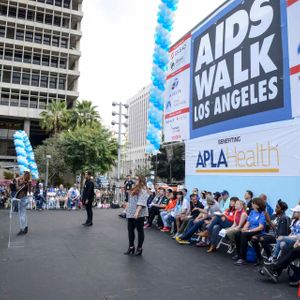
(137, 210)
(24, 186)
(88, 197)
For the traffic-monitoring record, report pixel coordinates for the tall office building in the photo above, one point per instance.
(134, 155)
(39, 56)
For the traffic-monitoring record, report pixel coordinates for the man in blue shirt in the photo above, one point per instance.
(225, 201)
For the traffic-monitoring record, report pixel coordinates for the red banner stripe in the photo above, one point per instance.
(177, 113)
(294, 70)
(291, 2)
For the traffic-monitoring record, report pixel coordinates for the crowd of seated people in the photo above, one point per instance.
(251, 228)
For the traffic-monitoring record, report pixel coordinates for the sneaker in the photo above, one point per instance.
(271, 274)
(240, 262)
(175, 236)
(183, 242)
(211, 249)
(147, 226)
(235, 257)
(294, 283)
(201, 244)
(165, 229)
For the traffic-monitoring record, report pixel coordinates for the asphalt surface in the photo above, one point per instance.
(61, 259)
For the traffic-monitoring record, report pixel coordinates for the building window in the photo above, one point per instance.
(35, 79)
(36, 59)
(16, 78)
(27, 58)
(49, 2)
(8, 54)
(47, 39)
(2, 31)
(26, 78)
(45, 61)
(30, 15)
(29, 36)
(58, 2)
(62, 83)
(12, 12)
(57, 21)
(39, 17)
(54, 62)
(22, 13)
(18, 56)
(53, 82)
(38, 38)
(55, 41)
(3, 10)
(64, 43)
(20, 35)
(44, 81)
(67, 3)
(48, 19)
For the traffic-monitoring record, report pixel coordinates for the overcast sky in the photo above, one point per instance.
(118, 42)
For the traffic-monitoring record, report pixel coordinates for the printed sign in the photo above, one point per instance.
(265, 150)
(240, 69)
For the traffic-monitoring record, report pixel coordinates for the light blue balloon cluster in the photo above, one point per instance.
(25, 155)
(162, 37)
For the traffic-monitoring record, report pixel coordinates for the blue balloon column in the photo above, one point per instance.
(165, 19)
(25, 155)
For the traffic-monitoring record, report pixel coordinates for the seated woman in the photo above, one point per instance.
(166, 214)
(285, 243)
(255, 225)
(239, 220)
(279, 224)
(273, 271)
(220, 222)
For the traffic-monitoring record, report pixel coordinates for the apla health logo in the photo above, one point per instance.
(208, 158)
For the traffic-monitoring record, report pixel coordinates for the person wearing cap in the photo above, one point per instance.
(285, 243)
(279, 226)
(225, 201)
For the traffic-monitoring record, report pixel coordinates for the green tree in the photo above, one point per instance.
(57, 164)
(83, 114)
(89, 148)
(170, 163)
(54, 119)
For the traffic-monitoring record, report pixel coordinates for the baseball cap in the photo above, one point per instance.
(224, 193)
(296, 208)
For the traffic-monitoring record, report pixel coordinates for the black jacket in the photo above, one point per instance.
(88, 191)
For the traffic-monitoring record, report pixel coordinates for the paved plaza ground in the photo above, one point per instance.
(61, 259)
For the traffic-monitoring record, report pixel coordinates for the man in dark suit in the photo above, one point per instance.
(88, 197)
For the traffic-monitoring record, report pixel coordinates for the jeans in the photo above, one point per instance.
(215, 227)
(40, 200)
(22, 213)
(241, 241)
(164, 215)
(137, 224)
(192, 228)
(284, 244)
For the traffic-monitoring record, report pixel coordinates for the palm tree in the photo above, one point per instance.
(54, 119)
(84, 114)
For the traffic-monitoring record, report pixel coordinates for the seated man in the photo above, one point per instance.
(273, 271)
(158, 203)
(40, 195)
(61, 197)
(73, 197)
(203, 219)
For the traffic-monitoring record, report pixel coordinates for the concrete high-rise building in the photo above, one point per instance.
(137, 130)
(39, 56)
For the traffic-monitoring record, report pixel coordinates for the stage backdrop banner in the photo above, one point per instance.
(176, 124)
(240, 71)
(266, 150)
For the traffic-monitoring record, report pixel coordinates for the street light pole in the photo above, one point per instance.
(120, 114)
(47, 170)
